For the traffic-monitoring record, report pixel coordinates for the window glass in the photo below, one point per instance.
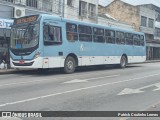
(47, 5)
(109, 33)
(71, 27)
(136, 39)
(70, 3)
(32, 3)
(98, 31)
(85, 33)
(157, 16)
(72, 34)
(120, 37)
(150, 23)
(84, 29)
(110, 36)
(92, 10)
(129, 35)
(85, 37)
(98, 38)
(98, 35)
(157, 32)
(143, 21)
(142, 40)
(83, 9)
(52, 35)
(129, 38)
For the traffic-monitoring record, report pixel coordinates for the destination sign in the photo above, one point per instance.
(26, 19)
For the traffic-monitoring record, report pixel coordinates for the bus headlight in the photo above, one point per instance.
(37, 55)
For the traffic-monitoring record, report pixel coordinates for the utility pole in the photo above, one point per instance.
(63, 7)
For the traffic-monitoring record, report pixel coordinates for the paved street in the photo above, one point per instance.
(135, 88)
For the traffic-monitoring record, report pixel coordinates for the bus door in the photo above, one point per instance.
(52, 37)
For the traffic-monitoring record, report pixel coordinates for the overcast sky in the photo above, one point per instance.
(104, 2)
(132, 2)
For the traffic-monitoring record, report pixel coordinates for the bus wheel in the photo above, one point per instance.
(69, 65)
(123, 61)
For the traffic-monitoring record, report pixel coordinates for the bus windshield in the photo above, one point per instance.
(24, 36)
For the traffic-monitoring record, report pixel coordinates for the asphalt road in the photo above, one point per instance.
(135, 88)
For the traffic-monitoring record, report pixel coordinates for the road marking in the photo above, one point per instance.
(128, 91)
(75, 90)
(49, 79)
(86, 80)
(157, 85)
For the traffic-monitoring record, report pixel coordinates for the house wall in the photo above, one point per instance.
(124, 12)
(149, 13)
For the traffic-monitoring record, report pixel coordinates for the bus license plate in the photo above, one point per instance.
(21, 62)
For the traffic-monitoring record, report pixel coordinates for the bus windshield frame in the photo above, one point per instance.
(24, 36)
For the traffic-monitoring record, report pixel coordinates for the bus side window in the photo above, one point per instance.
(142, 40)
(110, 36)
(98, 35)
(129, 38)
(85, 33)
(120, 37)
(71, 32)
(136, 39)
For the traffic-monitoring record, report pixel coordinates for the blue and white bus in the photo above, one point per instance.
(46, 41)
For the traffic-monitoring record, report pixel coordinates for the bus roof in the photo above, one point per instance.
(89, 24)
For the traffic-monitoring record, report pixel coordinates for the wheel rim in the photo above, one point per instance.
(70, 65)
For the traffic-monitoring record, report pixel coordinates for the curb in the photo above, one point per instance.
(152, 61)
(9, 71)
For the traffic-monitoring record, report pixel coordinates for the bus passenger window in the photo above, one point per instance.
(136, 39)
(120, 37)
(129, 38)
(110, 36)
(98, 35)
(142, 40)
(69, 36)
(71, 32)
(85, 33)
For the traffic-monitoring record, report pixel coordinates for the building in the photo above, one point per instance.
(5, 33)
(143, 16)
(84, 10)
(106, 19)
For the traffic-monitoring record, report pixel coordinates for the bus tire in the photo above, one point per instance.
(123, 62)
(69, 65)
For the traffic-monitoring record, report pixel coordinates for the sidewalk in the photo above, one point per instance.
(7, 71)
(12, 71)
(150, 61)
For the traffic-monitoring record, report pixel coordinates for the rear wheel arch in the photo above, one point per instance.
(74, 56)
(123, 61)
(71, 62)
